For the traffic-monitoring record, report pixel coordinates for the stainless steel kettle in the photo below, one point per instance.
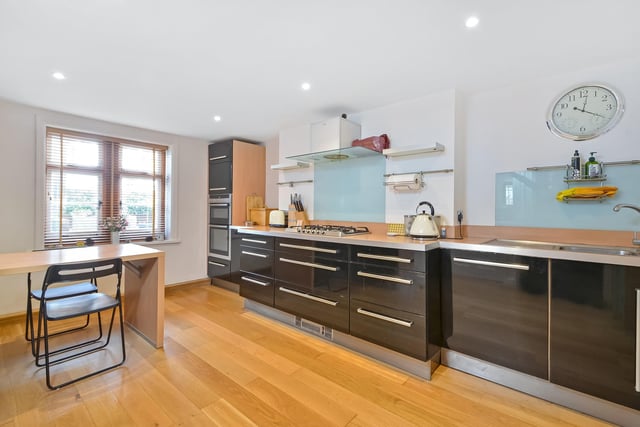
(424, 225)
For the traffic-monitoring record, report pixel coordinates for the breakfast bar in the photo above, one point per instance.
(143, 278)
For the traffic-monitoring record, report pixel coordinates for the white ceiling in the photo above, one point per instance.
(172, 65)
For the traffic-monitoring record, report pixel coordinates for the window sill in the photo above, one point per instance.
(158, 242)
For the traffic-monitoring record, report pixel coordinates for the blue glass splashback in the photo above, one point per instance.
(527, 199)
(350, 190)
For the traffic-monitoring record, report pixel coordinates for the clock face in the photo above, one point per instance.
(585, 112)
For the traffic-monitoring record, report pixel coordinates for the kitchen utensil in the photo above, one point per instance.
(276, 219)
(408, 222)
(424, 225)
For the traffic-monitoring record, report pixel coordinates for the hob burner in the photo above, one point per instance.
(331, 230)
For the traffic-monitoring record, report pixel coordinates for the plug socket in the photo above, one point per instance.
(460, 216)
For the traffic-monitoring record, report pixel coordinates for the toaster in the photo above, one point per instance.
(276, 219)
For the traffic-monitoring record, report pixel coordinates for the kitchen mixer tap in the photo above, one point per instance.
(617, 208)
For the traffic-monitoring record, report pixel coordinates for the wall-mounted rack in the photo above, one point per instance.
(419, 172)
(619, 163)
(292, 183)
(409, 181)
(412, 150)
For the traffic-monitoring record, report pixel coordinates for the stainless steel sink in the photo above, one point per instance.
(592, 249)
(604, 250)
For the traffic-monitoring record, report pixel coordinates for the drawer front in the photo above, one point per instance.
(256, 261)
(312, 248)
(217, 267)
(257, 241)
(391, 287)
(256, 288)
(318, 276)
(394, 258)
(398, 330)
(329, 311)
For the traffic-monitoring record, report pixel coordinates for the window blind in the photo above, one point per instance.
(92, 177)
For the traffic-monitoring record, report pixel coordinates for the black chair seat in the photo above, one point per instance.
(65, 291)
(79, 305)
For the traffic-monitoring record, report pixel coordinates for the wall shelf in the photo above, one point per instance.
(412, 150)
(289, 166)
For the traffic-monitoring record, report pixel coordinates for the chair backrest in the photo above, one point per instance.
(82, 271)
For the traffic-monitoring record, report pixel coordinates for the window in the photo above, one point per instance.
(91, 177)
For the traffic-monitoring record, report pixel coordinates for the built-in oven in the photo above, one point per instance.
(219, 222)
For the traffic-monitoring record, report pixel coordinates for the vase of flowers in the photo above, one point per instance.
(115, 224)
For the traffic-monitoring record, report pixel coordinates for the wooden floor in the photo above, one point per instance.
(222, 365)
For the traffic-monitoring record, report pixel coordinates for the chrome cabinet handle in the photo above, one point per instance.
(264, 242)
(220, 226)
(309, 248)
(222, 205)
(257, 282)
(217, 264)
(254, 254)
(381, 277)
(217, 188)
(309, 264)
(307, 296)
(217, 158)
(492, 264)
(385, 318)
(637, 340)
(385, 258)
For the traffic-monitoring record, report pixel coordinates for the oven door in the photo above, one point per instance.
(220, 211)
(219, 241)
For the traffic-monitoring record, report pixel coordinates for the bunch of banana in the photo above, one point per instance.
(587, 192)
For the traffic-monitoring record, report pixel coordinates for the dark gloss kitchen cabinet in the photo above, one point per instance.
(495, 308)
(389, 293)
(256, 268)
(594, 325)
(312, 281)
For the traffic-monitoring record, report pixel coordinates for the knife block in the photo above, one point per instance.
(297, 218)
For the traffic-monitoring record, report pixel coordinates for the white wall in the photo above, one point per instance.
(417, 122)
(185, 259)
(504, 130)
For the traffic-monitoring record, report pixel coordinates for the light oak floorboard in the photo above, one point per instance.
(224, 366)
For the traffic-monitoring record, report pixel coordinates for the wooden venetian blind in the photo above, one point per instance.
(91, 177)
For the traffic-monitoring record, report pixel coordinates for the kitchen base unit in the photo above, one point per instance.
(543, 389)
(419, 368)
(495, 308)
(594, 329)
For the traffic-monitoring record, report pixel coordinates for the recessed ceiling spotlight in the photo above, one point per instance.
(305, 86)
(217, 118)
(471, 22)
(58, 75)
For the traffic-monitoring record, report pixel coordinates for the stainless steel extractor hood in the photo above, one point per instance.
(331, 141)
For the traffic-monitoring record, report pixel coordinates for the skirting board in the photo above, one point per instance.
(608, 411)
(419, 368)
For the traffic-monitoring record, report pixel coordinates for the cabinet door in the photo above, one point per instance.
(220, 174)
(256, 261)
(495, 308)
(593, 329)
(221, 151)
(257, 288)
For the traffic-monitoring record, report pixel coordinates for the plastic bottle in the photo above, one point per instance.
(592, 167)
(575, 165)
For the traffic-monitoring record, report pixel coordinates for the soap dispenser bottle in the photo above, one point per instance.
(575, 165)
(592, 168)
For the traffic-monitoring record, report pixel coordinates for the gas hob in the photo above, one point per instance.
(329, 230)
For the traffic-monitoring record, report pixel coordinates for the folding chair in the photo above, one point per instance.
(53, 293)
(58, 309)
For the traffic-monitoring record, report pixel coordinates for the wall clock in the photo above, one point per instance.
(585, 112)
